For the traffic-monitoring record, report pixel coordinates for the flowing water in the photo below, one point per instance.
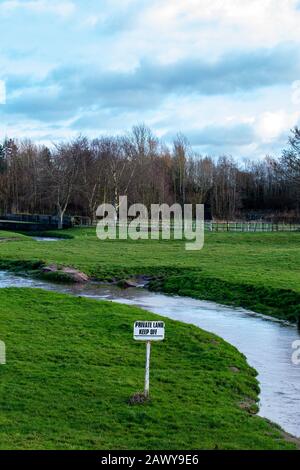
(46, 239)
(266, 342)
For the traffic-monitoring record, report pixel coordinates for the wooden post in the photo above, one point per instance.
(147, 369)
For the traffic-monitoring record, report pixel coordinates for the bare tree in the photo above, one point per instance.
(200, 174)
(62, 173)
(76, 176)
(181, 151)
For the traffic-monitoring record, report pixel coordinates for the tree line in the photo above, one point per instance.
(75, 177)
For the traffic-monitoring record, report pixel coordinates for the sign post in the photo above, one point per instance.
(148, 331)
(147, 369)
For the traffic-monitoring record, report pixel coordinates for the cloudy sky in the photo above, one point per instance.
(224, 72)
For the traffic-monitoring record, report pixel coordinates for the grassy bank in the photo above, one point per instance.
(10, 236)
(259, 271)
(280, 303)
(72, 365)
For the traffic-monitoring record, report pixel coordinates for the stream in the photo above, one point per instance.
(266, 342)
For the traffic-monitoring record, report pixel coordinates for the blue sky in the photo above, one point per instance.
(225, 73)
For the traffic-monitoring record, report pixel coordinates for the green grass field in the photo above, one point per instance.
(72, 365)
(256, 270)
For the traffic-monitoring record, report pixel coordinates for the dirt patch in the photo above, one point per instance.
(295, 440)
(72, 274)
(136, 281)
(249, 405)
(287, 436)
(138, 399)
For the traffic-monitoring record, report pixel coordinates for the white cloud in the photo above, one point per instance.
(2, 92)
(175, 28)
(270, 125)
(121, 34)
(62, 8)
(92, 21)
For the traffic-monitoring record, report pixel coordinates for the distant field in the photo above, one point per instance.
(72, 366)
(255, 270)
